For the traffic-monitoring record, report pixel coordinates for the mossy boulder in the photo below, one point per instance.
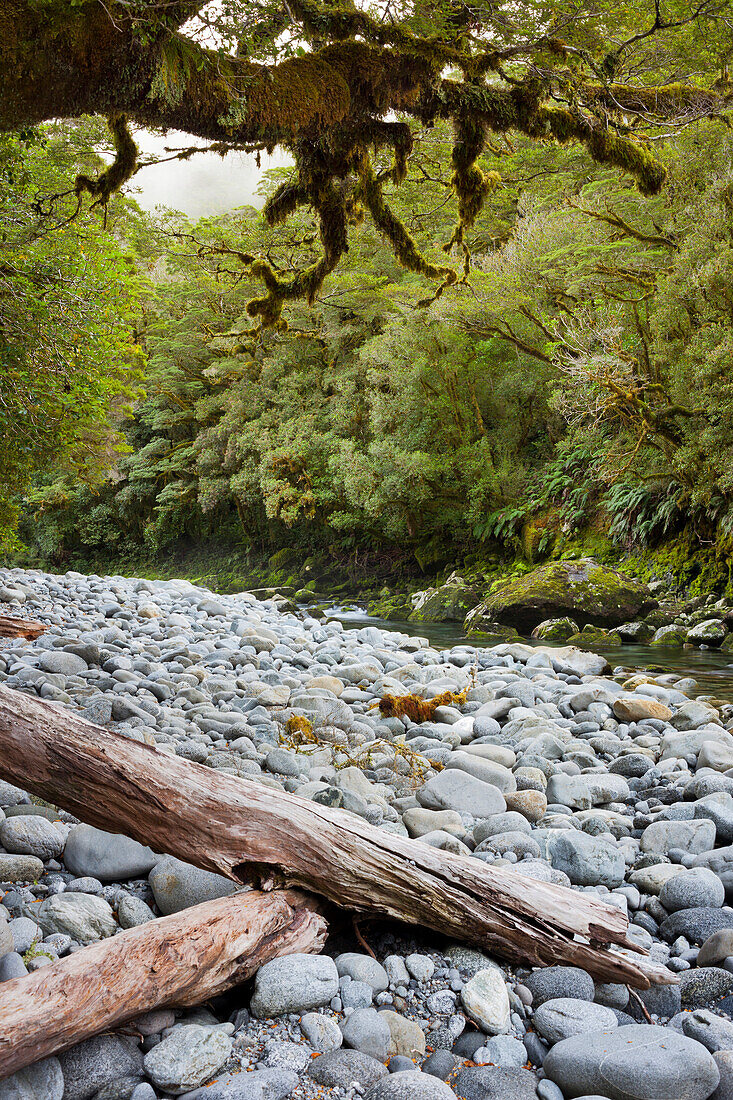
(555, 630)
(281, 559)
(486, 632)
(670, 637)
(710, 632)
(594, 635)
(664, 615)
(634, 633)
(582, 590)
(394, 608)
(447, 604)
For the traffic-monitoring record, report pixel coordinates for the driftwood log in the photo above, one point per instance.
(180, 960)
(11, 627)
(265, 838)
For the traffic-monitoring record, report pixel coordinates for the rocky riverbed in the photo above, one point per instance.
(551, 765)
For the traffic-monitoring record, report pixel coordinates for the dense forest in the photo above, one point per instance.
(572, 388)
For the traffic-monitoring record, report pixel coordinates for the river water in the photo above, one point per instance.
(711, 669)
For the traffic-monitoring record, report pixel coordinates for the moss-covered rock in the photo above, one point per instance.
(594, 635)
(488, 633)
(710, 632)
(555, 630)
(670, 637)
(664, 615)
(447, 604)
(634, 633)
(582, 590)
(396, 608)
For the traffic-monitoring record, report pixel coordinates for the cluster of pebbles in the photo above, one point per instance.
(620, 789)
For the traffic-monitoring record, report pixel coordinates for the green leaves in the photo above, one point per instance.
(68, 359)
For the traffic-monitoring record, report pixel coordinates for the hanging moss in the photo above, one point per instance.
(120, 170)
(606, 147)
(471, 185)
(393, 229)
(284, 202)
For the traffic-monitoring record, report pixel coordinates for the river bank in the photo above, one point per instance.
(546, 763)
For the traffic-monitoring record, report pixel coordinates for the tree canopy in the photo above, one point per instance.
(347, 88)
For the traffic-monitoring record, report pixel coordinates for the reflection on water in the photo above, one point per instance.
(712, 669)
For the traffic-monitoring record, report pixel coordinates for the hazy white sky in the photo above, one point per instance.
(204, 185)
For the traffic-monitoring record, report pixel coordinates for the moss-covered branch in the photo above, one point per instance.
(328, 106)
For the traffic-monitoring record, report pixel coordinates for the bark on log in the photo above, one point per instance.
(12, 627)
(253, 835)
(180, 960)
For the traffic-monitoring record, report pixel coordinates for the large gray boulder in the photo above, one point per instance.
(296, 983)
(563, 1017)
(586, 860)
(41, 1081)
(341, 1068)
(177, 885)
(411, 1085)
(635, 1062)
(186, 1057)
(110, 857)
(263, 1084)
(85, 917)
(95, 1063)
(31, 835)
(456, 790)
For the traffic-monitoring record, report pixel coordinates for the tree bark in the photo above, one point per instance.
(253, 835)
(11, 627)
(180, 960)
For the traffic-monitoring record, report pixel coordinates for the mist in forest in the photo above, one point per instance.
(203, 186)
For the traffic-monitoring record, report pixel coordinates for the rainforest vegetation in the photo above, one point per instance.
(489, 309)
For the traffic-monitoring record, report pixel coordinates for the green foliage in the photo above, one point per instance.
(578, 390)
(69, 361)
(643, 514)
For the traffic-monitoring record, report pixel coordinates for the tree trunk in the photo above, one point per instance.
(180, 960)
(254, 835)
(11, 627)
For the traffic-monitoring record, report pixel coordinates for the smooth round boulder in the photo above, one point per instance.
(110, 857)
(341, 1068)
(31, 835)
(551, 982)
(564, 1017)
(495, 1083)
(692, 889)
(295, 983)
(486, 1000)
(178, 885)
(188, 1056)
(410, 1085)
(696, 924)
(635, 1062)
(41, 1081)
(362, 968)
(716, 948)
(85, 917)
(57, 661)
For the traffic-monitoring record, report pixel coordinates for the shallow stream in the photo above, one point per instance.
(712, 669)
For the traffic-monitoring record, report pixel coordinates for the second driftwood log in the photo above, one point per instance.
(180, 960)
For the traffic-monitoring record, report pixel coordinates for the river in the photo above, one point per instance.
(711, 669)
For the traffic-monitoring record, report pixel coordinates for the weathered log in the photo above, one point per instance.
(180, 960)
(257, 836)
(12, 627)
